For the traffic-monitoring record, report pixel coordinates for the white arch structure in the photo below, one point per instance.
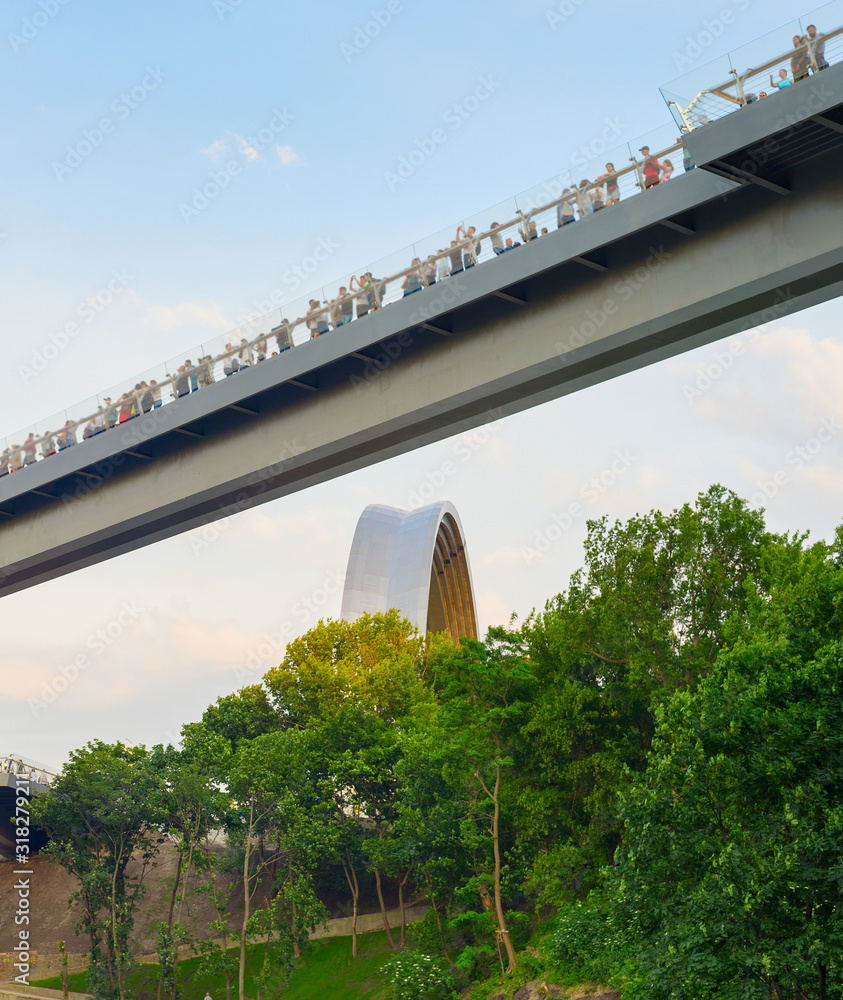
(415, 561)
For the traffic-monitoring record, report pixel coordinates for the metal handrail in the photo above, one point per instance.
(739, 79)
(16, 765)
(326, 311)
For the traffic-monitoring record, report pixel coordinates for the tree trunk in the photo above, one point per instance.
(384, 917)
(296, 949)
(401, 885)
(445, 951)
(186, 873)
(241, 976)
(114, 939)
(170, 917)
(504, 930)
(351, 878)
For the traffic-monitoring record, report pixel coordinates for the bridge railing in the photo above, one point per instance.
(576, 192)
(724, 85)
(22, 768)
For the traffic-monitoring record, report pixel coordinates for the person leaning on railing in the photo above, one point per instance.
(782, 81)
(412, 279)
(245, 356)
(229, 363)
(610, 179)
(565, 209)
(799, 60)
(361, 302)
(817, 43)
(651, 168)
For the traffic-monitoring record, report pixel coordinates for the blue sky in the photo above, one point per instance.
(329, 119)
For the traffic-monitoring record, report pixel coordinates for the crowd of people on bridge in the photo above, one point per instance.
(808, 59)
(365, 294)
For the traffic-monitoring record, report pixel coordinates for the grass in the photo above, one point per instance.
(326, 970)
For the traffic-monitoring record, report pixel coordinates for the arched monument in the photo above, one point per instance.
(415, 561)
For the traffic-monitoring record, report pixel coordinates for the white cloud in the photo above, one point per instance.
(215, 150)
(772, 386)
(492, 609)
(247, 150)
(288, 156)
(207, 315)
(503, 558)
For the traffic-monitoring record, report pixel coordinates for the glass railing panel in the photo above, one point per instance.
(696, 94)
(758, 62)
(824, 20)
(342, 302)
(536, 204)
(434, 252)
(503, 218)
(391, 277)
(666, 155)
(786, 55)
(296, 328)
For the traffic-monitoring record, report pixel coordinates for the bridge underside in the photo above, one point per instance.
(751, 236)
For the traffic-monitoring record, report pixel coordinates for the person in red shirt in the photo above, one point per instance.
(652, 168)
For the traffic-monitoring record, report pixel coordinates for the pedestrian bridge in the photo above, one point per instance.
(751, 235)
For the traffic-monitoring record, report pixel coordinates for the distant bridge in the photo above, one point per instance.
(17, 774)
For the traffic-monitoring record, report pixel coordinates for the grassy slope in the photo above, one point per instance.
(325, 970)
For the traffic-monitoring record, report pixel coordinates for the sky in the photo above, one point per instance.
(116, 115)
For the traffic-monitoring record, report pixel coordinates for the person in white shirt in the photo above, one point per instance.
(245, 357)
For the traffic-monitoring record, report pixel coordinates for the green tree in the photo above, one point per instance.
(729, 883)
(270, 783)
(101, 813)
(236, 717)
(354, 688)
(190, 807)
(647, 615)
(375, 662)
(485, 688)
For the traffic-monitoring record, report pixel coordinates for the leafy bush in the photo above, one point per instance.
(582, 944)
(413, 975)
